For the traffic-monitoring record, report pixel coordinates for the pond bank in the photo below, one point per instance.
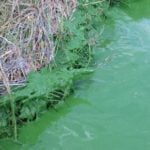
(110, 110)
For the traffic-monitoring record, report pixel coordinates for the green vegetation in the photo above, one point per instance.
(113, 2)
(75, 45)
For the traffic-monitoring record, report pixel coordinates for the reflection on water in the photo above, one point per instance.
(138, 9)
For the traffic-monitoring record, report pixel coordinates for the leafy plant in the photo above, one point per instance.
(74, 54)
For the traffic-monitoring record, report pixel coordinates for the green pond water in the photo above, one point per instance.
(111, 109)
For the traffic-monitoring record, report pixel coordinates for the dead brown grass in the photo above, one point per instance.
(27, 28)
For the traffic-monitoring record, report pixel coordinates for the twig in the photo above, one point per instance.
(93, 3)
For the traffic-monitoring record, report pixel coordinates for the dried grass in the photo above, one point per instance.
(26, 35)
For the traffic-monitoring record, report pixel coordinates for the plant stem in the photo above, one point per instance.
(14, 122)
(12, 102)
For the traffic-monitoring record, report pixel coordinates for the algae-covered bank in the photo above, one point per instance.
(109, 109)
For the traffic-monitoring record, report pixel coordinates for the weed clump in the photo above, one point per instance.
(74, 42)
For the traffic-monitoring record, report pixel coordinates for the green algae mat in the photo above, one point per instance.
(111, 109)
